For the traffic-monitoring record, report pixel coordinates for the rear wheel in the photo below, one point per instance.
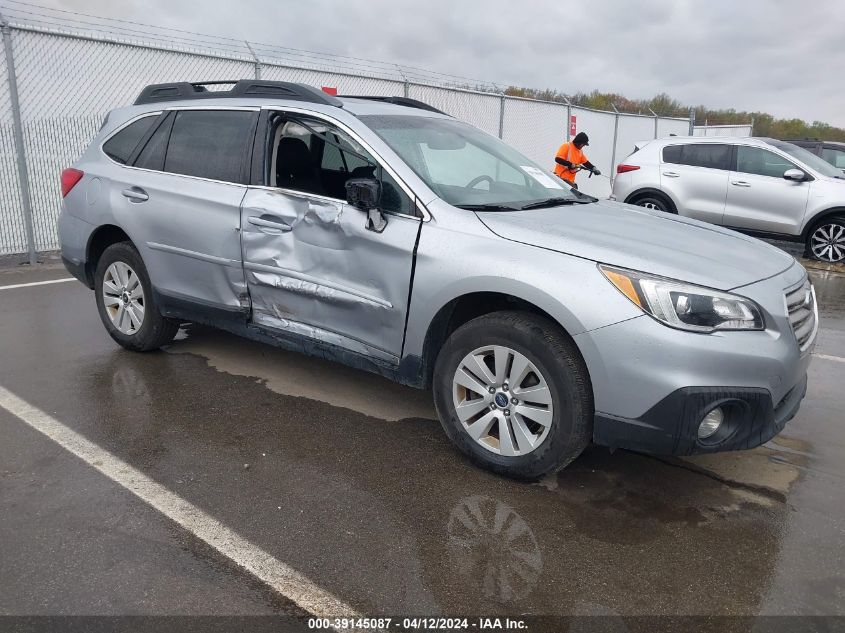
(654, 201)
(512, 392)
(125, 301)
(826, 242)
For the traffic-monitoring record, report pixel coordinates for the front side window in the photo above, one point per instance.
(834, 156)
(755, 160)
(120, 146)
(312, 156)
(211, 144)
(466, 167)
(807, 158)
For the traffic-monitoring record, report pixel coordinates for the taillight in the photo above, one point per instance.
(70, 177)
(621, 169)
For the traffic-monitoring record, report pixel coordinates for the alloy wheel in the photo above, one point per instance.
(502, 400)
(123, 298)
(828, 242)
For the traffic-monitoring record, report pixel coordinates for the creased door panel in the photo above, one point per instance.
(311, 262)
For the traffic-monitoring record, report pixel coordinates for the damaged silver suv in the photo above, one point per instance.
(381, 233)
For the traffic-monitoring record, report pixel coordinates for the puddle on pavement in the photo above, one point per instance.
(830, 293)
(292, 374)
(766, 473)
(762, 476)
(431, 529)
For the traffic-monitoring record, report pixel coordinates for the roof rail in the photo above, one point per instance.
(403, 101)
(183, 90)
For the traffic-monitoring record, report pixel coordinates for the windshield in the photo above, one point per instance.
(468, 168)
(809, 159)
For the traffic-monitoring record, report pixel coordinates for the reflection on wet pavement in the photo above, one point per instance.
(488, 540)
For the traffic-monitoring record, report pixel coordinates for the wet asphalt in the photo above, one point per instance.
(349, 479)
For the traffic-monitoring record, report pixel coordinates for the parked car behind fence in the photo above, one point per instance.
(759, 186)
(831, 151)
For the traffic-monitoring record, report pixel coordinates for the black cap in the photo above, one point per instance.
(581, 139)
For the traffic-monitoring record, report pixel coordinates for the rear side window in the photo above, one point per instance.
(120, 146)
(711, 155)
(210, 144)
(714, 156)
(834, 156)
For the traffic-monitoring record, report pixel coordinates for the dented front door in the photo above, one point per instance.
(313, 268)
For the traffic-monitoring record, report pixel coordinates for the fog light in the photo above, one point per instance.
(711, 423)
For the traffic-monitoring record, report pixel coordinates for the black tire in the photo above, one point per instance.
(155, 330)
(654, 201)
(828, 256)
(556, 357)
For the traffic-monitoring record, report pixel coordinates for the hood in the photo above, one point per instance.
(645, 240)
(836, 181)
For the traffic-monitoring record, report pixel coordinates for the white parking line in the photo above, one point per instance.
(838, 359)
(38, 283)
(286, 581)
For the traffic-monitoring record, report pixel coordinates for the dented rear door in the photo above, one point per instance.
(314, 269)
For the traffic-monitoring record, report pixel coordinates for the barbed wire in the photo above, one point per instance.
(24, 14)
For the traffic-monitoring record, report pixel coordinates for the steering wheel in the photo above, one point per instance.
(479, 179)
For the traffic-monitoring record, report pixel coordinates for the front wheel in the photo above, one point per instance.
(826, 242)
(513, 393)
(125, 301)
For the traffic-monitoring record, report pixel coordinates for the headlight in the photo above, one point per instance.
(685, 306)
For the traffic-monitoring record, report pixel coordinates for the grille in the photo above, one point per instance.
(802, 312)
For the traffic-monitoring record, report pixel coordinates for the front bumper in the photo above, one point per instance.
(653, 384)
(671, 426)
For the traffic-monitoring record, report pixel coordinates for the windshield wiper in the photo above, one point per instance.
(553, 202)
(487, 207)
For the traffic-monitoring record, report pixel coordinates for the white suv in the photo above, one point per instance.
(755, 185)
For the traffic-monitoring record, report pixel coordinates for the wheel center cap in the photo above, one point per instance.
(125, 298)
(501, 400)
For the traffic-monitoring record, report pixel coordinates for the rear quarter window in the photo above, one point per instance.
(120, 146)
(672, 154)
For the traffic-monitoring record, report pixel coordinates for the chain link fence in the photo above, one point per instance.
(70, 73)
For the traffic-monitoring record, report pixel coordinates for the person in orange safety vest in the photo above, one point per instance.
(570, 157)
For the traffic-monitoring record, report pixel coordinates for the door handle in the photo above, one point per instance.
(277, 225)
(671, 174)
(740, 183)
(135, 194)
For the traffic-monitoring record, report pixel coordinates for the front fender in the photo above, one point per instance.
(450, 265)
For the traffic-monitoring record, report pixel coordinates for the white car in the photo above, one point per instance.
(759, 186)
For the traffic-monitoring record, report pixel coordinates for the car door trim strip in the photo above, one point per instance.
(319, 282)
(213, 259)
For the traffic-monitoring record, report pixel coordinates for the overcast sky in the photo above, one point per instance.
(785, 57)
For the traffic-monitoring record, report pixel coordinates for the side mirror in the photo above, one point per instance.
(365, 194)
(795, 175)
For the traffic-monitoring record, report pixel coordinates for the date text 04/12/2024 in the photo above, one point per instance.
(415, 624)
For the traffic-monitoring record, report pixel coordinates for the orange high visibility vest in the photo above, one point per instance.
(569, 152)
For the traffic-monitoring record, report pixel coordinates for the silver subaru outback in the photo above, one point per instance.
(383, 234)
